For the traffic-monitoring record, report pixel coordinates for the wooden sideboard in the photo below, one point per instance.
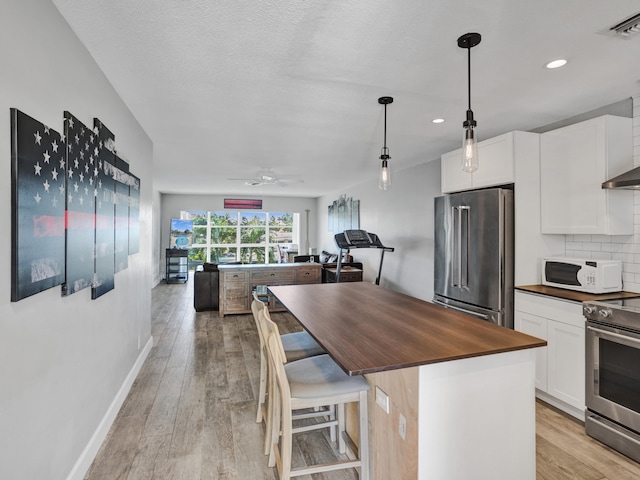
(237, 283)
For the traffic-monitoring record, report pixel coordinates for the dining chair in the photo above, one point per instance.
(296, 345)
(306, 384)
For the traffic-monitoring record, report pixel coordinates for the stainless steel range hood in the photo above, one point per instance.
(627, 181)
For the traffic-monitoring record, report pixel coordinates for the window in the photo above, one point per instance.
(249, 237)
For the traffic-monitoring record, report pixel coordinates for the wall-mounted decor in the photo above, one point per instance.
(242, 204)
(122, 180)
(104, 190)
(81, 158)
(134, 214)
(344, 214)
(37, 206)
(75, 208)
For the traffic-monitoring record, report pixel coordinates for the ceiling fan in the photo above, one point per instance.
(266, 176)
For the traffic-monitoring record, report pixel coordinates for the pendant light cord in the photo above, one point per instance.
(469, 75)
(385, 125)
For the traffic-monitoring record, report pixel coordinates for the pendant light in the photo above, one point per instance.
(469, 141)
(385, 175)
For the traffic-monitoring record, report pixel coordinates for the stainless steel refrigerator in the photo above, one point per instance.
(473, 255)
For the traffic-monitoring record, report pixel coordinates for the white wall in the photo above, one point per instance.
(64, 360)
(173, 204)
(616, 247)
(403, 219)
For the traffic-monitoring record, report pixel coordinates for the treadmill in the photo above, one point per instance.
(359, 239)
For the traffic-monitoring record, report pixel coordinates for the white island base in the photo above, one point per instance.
(469, 419)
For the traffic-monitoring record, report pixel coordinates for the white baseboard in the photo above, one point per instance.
(560, 405)
(91, 450)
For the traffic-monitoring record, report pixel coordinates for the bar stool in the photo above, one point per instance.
(306, 384)
(296, 346)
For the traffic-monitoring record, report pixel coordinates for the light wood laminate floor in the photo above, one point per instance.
(191, 412)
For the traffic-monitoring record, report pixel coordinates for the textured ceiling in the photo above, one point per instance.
(225, 88)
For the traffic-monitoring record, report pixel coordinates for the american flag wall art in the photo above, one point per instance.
(75, 207)
(103, 278)
(38, 169)
(82, 166)
(121, 179)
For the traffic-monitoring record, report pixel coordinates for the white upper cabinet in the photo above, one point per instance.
(574, 161)
(510, 158)
(496, 159)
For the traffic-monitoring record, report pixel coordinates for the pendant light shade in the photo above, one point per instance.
(469, 139)
(385, 174)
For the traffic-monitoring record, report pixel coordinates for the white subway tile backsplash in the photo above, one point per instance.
(631, 248)
(631, 286)
(577, 254)
(594, 247)
(601, 256)
(582, 238)
(624, 239)
(612, 247)
(574, 246)
(624, 257)
(602, 238)
(631, 268)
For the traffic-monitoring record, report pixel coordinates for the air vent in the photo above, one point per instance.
(627, 27)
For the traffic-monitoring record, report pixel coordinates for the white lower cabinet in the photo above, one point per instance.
(560, 367)
(537, 327)
(565, 362)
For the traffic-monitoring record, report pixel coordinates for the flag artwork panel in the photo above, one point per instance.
(82, 159)
(103, 278)
(134, 214)
(122, 180)
(38, 206)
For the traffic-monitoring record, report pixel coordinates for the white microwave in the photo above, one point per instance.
(590, 276)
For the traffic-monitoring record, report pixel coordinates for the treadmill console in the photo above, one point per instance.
(357, 237)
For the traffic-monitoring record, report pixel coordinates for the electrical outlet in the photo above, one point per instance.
(402, 427)
(382, 399)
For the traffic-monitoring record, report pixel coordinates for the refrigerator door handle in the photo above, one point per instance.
(463, 213)
(452, 244)
(458, 263)
(460, 309)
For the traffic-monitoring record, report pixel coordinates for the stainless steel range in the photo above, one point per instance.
(613, 373)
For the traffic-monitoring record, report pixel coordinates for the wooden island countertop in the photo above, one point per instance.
(367, 328)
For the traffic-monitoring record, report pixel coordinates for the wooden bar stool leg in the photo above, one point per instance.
(341, 428)
(286, 441)
(363, 433)
(332, 415)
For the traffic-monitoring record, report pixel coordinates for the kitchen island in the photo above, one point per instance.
(460, 391)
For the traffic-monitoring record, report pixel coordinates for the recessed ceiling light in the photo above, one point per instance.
(437, 120)
(561, 62)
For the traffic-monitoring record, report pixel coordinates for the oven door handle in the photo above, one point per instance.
(624, 338)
